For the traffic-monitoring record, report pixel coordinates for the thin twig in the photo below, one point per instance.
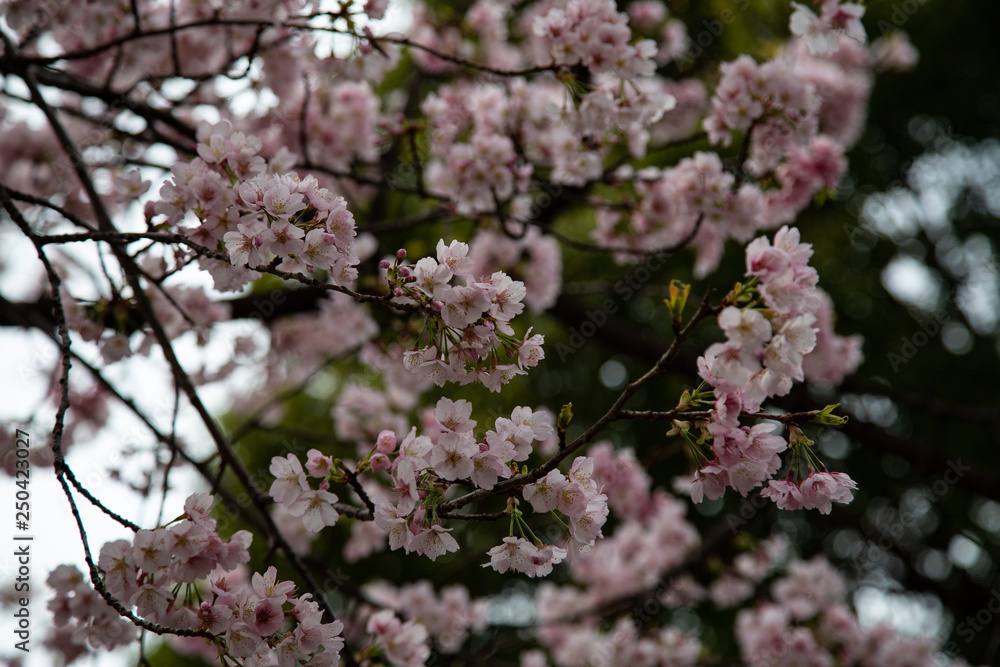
(352, 479)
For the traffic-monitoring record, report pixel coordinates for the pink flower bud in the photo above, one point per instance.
(399, 291)
(318, 465)
(405, 271)
(380, 462)
(386, 443)
(437, 305)
(401, 254)
(384, 264)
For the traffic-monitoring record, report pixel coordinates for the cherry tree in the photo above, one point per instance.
(389, 219)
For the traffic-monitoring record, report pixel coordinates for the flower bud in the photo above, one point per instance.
(318, 465)
(386, 443)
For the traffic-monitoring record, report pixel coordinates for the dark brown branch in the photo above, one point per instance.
(303, 115)
(352, 479)
(64, 81)
(116, 237)
(39, 201)
(94, 501)
(175, 56)
(173, 29)
(134, 6)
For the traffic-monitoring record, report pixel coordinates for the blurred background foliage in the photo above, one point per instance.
(908, 239)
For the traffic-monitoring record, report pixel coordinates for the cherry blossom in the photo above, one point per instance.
(432, 542)
(516, 553)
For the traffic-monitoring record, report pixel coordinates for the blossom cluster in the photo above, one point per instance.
(593, 34)
(479, 174)
(623, 645)
(577, 495)
(256, 216)
(809, 623)
(638, 553)
(404, 644)
(252, 620)
(470, 336)
(535, 258)
(447, 616)
(651, 538)
(762, 356)
(422, 468)
(82, 615)
(819, 490)
(798, 113)
(519, 554)
(696, 199)
(771, 99)
(425, 465)
(149, 574)
(822, 33)
(291, 489)
(564, 142)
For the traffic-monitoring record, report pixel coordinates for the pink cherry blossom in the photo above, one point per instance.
(290, 479)
(316, 509)
(452, 455)
(454, 415)
(821, 489)
(545, 494)
(515, 553)
(433, 542)
(244, 245)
